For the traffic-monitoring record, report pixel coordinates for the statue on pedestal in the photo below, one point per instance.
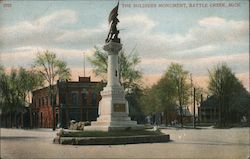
(113, 21)
(113, 107)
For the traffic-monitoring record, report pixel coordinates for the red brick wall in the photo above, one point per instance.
(41, 102)
(44, 109)
(45, 119)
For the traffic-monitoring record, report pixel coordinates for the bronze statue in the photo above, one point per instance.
(113, 32)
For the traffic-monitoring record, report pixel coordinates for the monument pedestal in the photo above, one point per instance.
(113, 107)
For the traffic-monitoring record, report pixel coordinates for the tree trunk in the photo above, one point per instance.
(31, 120)
(194, 110)
(6, 121)
(181, 115)
(11, 122)
(21, 119)
(220, 112)
(15, 120)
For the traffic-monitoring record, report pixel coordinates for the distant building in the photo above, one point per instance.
(185, 111)
(73, 100)
(239, 107)
(209, 110)
(173, 114)
(187, 116)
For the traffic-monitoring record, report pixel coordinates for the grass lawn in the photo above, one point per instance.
(111, 134)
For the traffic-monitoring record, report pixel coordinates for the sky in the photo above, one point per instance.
(197, 34)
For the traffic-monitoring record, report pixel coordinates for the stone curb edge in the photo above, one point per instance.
(112, 140)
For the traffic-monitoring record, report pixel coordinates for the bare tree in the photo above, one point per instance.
(51, 69)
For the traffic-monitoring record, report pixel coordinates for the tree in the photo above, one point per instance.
(14, 103)
(2, 87)
(135, 110)
(198, 92)
(178, 76)
(170, 91)
(51, 69)
(28, 81)
(224, 85)
(15, 89)
(129, 75)
(100, 63)
(148, 101)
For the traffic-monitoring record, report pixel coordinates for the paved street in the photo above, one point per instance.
(186, 143)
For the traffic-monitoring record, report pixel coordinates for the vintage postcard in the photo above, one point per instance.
(124, 79)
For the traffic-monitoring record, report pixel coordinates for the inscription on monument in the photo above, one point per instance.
(119, 107)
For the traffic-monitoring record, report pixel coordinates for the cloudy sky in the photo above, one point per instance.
(197, 34)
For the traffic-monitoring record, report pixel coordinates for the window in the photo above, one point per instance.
(41, 119)
(74, 100)
(94, 99)
(84, 99)
(39, 102)
(63, 99)
(54, 99)
(47, 100)
(43, 101)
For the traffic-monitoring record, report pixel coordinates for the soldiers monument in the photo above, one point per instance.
(113, 107)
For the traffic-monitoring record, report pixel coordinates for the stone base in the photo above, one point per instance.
(114, 125)
(112, 140)
(113, 112)
(113, 128)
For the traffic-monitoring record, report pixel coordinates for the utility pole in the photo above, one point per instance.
(194, 110)
(199, 110)
(84, 63)
(191, 94)
(191, 83)
(191, 89)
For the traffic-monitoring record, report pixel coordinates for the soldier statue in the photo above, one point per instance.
(113, 21)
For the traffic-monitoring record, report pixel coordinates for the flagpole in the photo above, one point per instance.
(84, 63)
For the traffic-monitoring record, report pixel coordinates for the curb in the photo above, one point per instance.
(112, 140)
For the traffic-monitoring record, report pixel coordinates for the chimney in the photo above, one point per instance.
(84, 79)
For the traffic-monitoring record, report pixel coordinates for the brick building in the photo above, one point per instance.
(73, 100)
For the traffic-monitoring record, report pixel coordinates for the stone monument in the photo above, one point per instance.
(113, 107)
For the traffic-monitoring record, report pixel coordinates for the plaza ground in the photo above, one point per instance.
(186, 143)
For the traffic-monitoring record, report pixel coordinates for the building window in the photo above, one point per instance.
(84, 99)
(47, 101)
(42, 101)
(94, 99)
(39, 102)
(34, 102)
(54, 100)
(74, 99)
(85, 94)
(41, 119)
(63, 99)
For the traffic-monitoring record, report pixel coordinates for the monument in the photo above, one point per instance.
(113, 107)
